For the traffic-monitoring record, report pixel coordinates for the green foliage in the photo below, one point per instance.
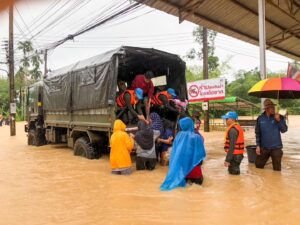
(213, 61)
(28, 73)
(243, 83)
(194, 73)
(246, 79)
(29, 70)
(4, 97)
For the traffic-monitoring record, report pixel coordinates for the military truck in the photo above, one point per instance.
(76, 104)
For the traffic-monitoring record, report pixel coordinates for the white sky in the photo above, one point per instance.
(153, 29)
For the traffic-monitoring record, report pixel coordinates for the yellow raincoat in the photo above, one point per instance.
(121, 144)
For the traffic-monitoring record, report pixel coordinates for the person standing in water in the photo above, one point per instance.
(234, 143)
(121, 146)
(187, 153)
(268, 127)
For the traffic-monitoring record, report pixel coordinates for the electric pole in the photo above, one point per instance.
(205, 76)
(11, 72)
(45, 61)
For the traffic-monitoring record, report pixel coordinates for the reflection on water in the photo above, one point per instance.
(48, 185)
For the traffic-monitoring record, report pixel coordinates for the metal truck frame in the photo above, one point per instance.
(76, 104)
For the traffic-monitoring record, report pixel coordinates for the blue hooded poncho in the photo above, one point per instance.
(187, 152)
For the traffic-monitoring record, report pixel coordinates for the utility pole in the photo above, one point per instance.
(262, 41)
(45, 62)
(205, 76)
(11, 72)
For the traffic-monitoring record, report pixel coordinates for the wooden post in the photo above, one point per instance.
(11, 71)
(205, 75)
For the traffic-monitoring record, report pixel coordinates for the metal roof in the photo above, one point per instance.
(230, 103)
(239, 19)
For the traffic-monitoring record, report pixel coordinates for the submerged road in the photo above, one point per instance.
(48, 185)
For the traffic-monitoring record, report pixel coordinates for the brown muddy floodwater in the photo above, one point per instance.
(48, 185)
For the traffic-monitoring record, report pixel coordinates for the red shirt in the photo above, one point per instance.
(139, 82)
(195, 173)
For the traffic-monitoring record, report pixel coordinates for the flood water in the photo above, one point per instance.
(48, 185)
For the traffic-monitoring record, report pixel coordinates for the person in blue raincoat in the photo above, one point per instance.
(187, 153)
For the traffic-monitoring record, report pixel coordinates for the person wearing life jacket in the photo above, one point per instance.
(144, 82)
(234, 143)
(127, 101)
(163, 98)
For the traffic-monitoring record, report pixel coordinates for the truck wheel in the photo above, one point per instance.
(31, 139)
(84, 148)
(35, 139)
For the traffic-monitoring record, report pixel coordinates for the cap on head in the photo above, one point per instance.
(172, 92)
(230, 115)
(139, 93)
(149, 75)
(268, 103)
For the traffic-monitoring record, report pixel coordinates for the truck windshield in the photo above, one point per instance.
(31, 96)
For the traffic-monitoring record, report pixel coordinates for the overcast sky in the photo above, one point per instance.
(49, 21)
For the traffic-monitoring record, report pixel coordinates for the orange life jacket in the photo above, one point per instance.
(239, 145)
(156, 101)
(121, 101)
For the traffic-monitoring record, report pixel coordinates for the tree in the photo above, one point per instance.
(246, 79)
(4, 98)
(213, 61)
(29, 72)
(243, 83)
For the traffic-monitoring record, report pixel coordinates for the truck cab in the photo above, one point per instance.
(34, 115)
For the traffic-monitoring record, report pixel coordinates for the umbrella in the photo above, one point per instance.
(277, 88)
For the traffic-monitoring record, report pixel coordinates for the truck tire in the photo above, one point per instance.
(35, 139)
(84, 148)
(31, 138)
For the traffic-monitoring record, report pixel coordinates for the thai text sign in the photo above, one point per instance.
(205, 90)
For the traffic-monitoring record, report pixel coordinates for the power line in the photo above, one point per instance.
(64, 15)
(44, 13)
(29, 32)
(119, 13)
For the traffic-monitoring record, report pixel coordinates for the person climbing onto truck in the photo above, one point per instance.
(144, 82)
(126, 102)
(234, 143)
(163, 98)
(121, 146)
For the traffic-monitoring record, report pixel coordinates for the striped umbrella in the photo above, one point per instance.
(276, 88)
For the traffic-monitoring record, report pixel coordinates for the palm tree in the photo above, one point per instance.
(25, 46)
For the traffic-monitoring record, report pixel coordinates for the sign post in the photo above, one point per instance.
(205, 90)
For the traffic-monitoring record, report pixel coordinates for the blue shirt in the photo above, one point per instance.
(168, 133)
(267, 131)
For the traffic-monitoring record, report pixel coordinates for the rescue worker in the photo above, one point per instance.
(268, 129)
(163, 98)
(143, 81)
(126, 102)
(162, 104)
(234, 143)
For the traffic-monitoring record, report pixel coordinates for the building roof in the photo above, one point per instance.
(239, 19)
(230, 103)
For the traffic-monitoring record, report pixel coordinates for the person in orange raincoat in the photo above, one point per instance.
(121, 145)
